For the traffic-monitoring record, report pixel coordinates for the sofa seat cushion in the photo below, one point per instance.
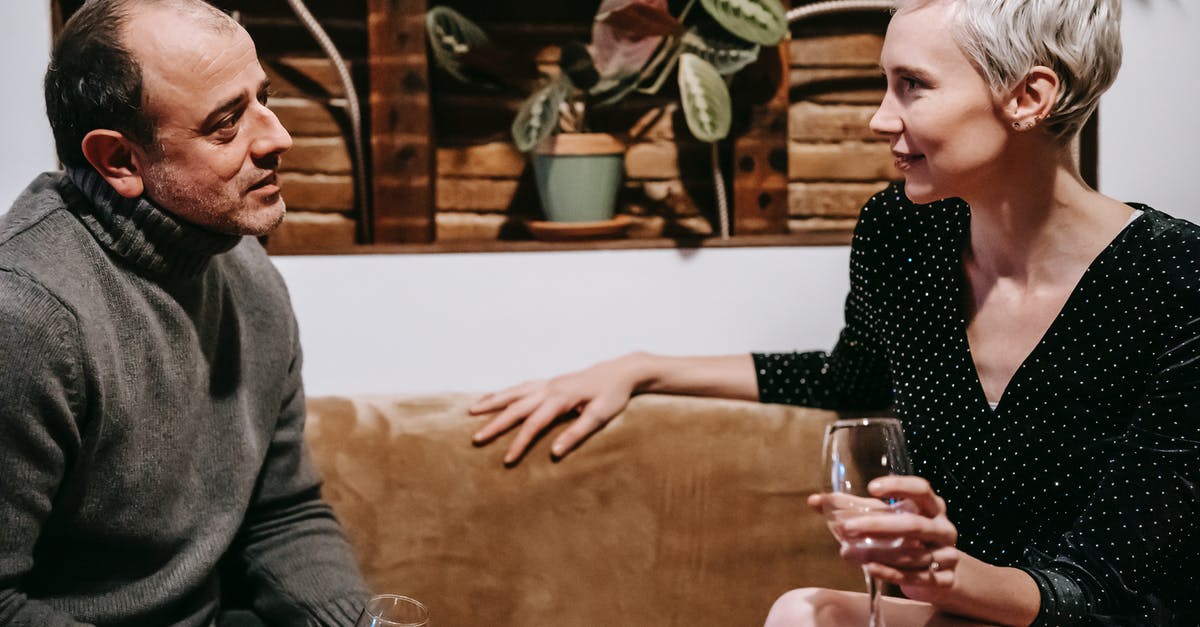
(681, 511)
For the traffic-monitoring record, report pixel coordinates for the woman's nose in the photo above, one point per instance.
(886, 121)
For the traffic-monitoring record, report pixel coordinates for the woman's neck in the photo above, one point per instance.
(1037, 217)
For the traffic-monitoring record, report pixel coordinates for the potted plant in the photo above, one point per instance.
(636, 45)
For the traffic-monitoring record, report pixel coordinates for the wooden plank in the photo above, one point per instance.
(323, 155)
(824, 230)
(760, 155)
(305, 117)
(401, 139)
(812, 122)
(643, 160)
(830, 200)
(308, 77)
(475, 194)
(303, 232)
(317, 192)
(836, 50)
(846, 161)
(493, 159)
(864, 86)
(469, 227)
(322, 9)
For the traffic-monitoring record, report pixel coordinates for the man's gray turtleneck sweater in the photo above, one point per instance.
(151, 417)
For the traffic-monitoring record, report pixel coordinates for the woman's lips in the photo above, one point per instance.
(905, 161)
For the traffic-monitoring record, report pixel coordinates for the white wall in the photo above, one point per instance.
(25, 48)
(1149, 124)
(486, 320)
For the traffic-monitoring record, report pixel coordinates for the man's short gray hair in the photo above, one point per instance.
(1079, 39)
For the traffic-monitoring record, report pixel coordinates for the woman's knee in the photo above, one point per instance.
(809, 607)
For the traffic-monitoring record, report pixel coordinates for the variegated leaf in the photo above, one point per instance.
(538, 115)
(727, 57)
(705, 97)
(451, 36)
(760, 21)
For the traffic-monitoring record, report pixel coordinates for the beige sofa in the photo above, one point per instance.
(681, 512)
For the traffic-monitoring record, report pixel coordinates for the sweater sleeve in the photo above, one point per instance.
(40, 398)
(291, 547)
(854, 375)
(1123, 562)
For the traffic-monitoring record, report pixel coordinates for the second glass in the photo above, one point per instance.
(393, 610)
(856, 452)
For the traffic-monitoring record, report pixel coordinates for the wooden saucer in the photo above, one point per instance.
(566, 231)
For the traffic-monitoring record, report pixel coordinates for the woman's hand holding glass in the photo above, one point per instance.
(912, 545)
(595, 394)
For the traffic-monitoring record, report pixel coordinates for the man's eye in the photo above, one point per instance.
(228, 122)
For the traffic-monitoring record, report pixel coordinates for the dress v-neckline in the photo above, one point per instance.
(964, 286)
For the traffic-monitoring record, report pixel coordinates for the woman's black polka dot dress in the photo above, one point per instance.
(1087, 473)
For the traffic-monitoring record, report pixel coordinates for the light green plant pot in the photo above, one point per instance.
(579, 175)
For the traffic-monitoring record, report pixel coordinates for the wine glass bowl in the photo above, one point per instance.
(856, 452)
(393, 610)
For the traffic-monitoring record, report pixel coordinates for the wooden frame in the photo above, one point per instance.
(400, 217)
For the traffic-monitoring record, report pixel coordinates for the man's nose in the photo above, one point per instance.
(272, 139)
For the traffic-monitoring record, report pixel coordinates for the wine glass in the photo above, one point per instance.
(858, 451)
(393, 610)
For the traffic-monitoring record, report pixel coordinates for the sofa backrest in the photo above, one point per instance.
(681, 511)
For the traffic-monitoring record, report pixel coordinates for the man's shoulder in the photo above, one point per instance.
(41, 201)
(38, 235)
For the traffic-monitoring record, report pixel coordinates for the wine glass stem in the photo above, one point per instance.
(874, 590)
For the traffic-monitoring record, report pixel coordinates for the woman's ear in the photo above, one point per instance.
(1033, 99)
(116, 159)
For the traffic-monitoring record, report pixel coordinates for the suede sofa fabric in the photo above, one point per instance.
(681, 511)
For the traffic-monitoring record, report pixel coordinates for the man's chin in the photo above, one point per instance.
(262, 221)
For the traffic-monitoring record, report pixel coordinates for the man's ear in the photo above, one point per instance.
(116, 159)
(1033, 99)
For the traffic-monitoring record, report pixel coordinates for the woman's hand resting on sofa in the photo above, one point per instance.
(595, 394)
(598, 393)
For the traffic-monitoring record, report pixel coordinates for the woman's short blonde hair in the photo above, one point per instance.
(1079, 39)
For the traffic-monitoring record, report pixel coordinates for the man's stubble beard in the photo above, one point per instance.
(189, 203)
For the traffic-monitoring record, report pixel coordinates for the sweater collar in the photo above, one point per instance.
(141, 233)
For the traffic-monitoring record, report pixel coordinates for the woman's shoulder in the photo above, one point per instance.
(1168, 248)
(1164, 226)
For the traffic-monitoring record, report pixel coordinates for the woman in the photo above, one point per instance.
(1040, 342)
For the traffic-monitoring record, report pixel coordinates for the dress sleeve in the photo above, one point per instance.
(1131, 554)
(854, 375)
(40, 397)
(291, 548)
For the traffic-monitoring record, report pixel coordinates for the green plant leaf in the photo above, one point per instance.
(760, 21)
(727, 57)
(706, 104)
(538, 115)
(451, 38)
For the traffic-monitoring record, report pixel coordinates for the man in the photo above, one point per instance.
(152, 467)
